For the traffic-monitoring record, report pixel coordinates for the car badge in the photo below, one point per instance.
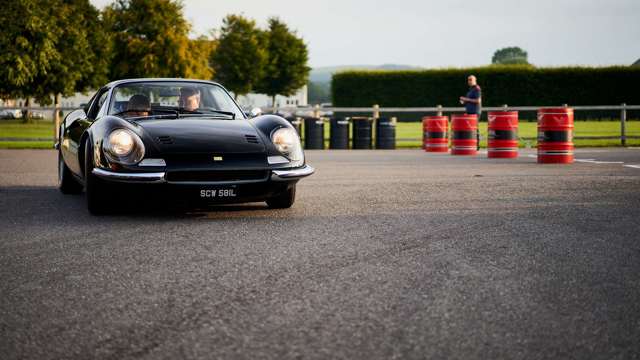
(217, 158)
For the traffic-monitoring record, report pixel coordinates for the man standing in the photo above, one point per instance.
(473, 101)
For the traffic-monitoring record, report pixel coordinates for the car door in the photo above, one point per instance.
(75, 126)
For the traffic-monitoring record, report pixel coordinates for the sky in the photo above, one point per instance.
(444, 33)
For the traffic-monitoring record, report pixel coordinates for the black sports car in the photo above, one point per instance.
(176, 138)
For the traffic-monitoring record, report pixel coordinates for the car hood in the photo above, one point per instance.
(179, 136)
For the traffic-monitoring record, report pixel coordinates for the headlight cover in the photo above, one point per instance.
(124, 147)
(287, 142)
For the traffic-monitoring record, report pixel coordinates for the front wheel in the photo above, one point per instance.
(98, 192)
(66, 183)
(284, 200)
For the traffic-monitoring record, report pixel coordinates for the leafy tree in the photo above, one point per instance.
(286, 68)
(150, 39)
(28, 38)
(84, 53)
(46, 55)
(510, 56)
(240, 57)
(200, 51)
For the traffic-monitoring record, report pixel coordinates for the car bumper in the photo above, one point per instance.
(160, 177)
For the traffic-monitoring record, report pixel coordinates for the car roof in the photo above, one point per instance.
(130, 81)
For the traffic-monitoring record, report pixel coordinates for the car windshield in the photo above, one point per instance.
(173, 99)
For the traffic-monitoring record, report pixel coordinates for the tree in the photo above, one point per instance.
(150, 39)
(46, 55)
(510, 56)
(200, 51)
(84, 53)
(28, 38)
(239, 59)
(286, 68)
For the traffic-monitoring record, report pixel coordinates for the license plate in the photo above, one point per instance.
(222, 193)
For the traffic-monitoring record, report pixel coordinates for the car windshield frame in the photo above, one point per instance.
(170, 111)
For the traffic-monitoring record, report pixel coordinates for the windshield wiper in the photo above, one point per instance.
(151, 113)
(208, 110)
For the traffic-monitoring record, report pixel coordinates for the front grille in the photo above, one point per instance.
(252, 139)
(217, 175)
(165, 140)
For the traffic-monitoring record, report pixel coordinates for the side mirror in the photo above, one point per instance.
(256, 111)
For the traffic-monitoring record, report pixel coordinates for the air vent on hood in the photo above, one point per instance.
(252, 139)
(165, 140)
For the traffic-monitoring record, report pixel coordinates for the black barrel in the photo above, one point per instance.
(339, 133)
(313, 133)
(362, 132)
(386, 133)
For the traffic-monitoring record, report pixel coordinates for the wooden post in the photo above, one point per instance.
(56, 118)
(316, 111)
(439, 112)
(623, 125)
(376, 111)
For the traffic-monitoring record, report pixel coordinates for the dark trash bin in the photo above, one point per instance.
(339, 133)
(313, 133)
(362, 132)
(386, 133)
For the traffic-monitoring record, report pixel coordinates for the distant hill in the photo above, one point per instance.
(323, 74)
(637, 63)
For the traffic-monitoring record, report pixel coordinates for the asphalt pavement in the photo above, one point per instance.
(385, 254)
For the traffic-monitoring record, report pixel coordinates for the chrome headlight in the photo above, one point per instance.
(124, 147)
(287, 142)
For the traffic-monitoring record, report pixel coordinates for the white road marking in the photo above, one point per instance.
(594, 161)
(632, 166)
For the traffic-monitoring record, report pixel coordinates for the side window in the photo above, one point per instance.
(97, 104)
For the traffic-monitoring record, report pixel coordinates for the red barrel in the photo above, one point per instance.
(464, 129)
(503, 134)
(555, 136)
(434, 133)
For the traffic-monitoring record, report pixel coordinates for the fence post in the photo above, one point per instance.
(623, 125)
(376, 111)
(316, 111)
(439, 112)
(56, 118)
(505, 107)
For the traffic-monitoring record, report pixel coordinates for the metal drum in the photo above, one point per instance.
(555, 136)
(464, 128)
(313, 133)
(339, 133)
(386, 133)
(362, 132)
(434, 133)
(503, 134)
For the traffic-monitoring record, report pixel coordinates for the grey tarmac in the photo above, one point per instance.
(385, 254)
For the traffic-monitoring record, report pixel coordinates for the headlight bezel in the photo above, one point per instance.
(287, 143)
(113, 154)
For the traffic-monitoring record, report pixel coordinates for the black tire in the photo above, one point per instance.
(98, 192)
(284, 200)
(66, 182)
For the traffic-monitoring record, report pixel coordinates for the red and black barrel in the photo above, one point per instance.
(503, 134)
(555, 136)
(464, 129)
(434, 133)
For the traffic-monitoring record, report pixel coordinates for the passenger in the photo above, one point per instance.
(139, 105)
(189, 98)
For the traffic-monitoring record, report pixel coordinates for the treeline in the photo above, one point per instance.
(53, 48)
(513, 85)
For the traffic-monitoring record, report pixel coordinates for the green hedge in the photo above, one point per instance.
(513, 85)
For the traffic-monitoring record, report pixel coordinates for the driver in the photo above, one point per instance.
(139, 105)
(189, 98)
